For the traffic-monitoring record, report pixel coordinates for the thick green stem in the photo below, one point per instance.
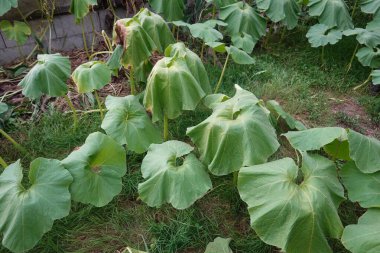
(75, 116)
(99, 104)
(354, 9)
(364, 83)
(3, 163)
(222, 75)
(84, 39)
(132, 81)
(166, 127)
(15, 143)
(93, 32)
(352, 58)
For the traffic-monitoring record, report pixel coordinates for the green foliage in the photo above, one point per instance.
(278, 112)
(285, 11)
(91, 76)
(238, 133)
(171, 9)
(237, 55)
(242, 18)
(205, 31)
(127, 122)
(18, 32)
(366, 37)
(80, 8)
(370, 6)
(6, 5)
(48, 77)
(320, 35)
(26, 213)
(113, 62)
(364, 237)
(375, 77)
(173, 175)
(294, 213)
(97, 168)
(219, 245)
(369, 57)
(243, 41)
(332, 13)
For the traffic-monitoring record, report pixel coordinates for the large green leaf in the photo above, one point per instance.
(369, 57)
(315, 138)
(127, 122)
(237, 55)
(6, 5)
(114, 61)
(173, 175)
(243, 41)
(193, 62)
(238, 133)
(26, 213)
(292, 215)
(370, 6)
(171, 89)
(361, 187)
(375, 23)
(332, 13)
(242, 18)
(205, 31)
(171, 9)
(91, 76)
(375, 76)
(365, 36)
(286, 11)
(156, 28)
(364, 237)
(3, 107)
(97, 168)
(138, 45)
(221, 3)
(219, 245)
(365, 151)
(80, 8)
(278, 113)
(320, 35)
(18, 32)
(48, 76)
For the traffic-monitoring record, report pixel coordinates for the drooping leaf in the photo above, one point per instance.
(239, 56)
(315, 138)
(26, 214)
(338, 149)
(91, 76)
(6, 5)
(18, 32)
(80, 8)
(238, 133)
(320, 35)
(3, 107)
(276, 110)
(285, 11)
(375, 77)
(361, 187)
(370, 6)
(290, 215)
(375, 23)
(138, 45)
(221, 3)
(114, 62)
(364, 237)
(364, 36)
(365, 151)
(127, 122)
(205, 31)
(193, 62)
(173, 175)
(213, 100)
(143, 70)
(48, 76)
(243, 41)
(369, 57)
(156, 28)
(332, 13)
(171, 10)
(219, 245)
(172, 89)
(97, 168)
(242, 18)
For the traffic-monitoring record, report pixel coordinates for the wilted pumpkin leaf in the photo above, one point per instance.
(369, 57)
(219, 245)
(364, 237)
(237, 55)
(292, 214)
(80, 8)
(276, 110)
(238, 133)
(127, 122)
(332, 13)
(27, 213)
(48, 76)
(171, 9)
(97, 168)
(213, 100)
(114, 62)
(6, 5)
(18, 32)
(173, 175)
(205, 31)
(320, 35)
(91, 76)
(286, 11)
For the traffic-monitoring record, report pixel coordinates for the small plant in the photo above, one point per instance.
(18, 32)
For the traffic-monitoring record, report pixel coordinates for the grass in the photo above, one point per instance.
(289, 73)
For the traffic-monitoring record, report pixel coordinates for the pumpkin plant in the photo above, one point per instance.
(238, 133)
(6, 5)
(171, 10)
(278, 114)
(173, 175)
(90, 77)
(18, 31)
(128, 123)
